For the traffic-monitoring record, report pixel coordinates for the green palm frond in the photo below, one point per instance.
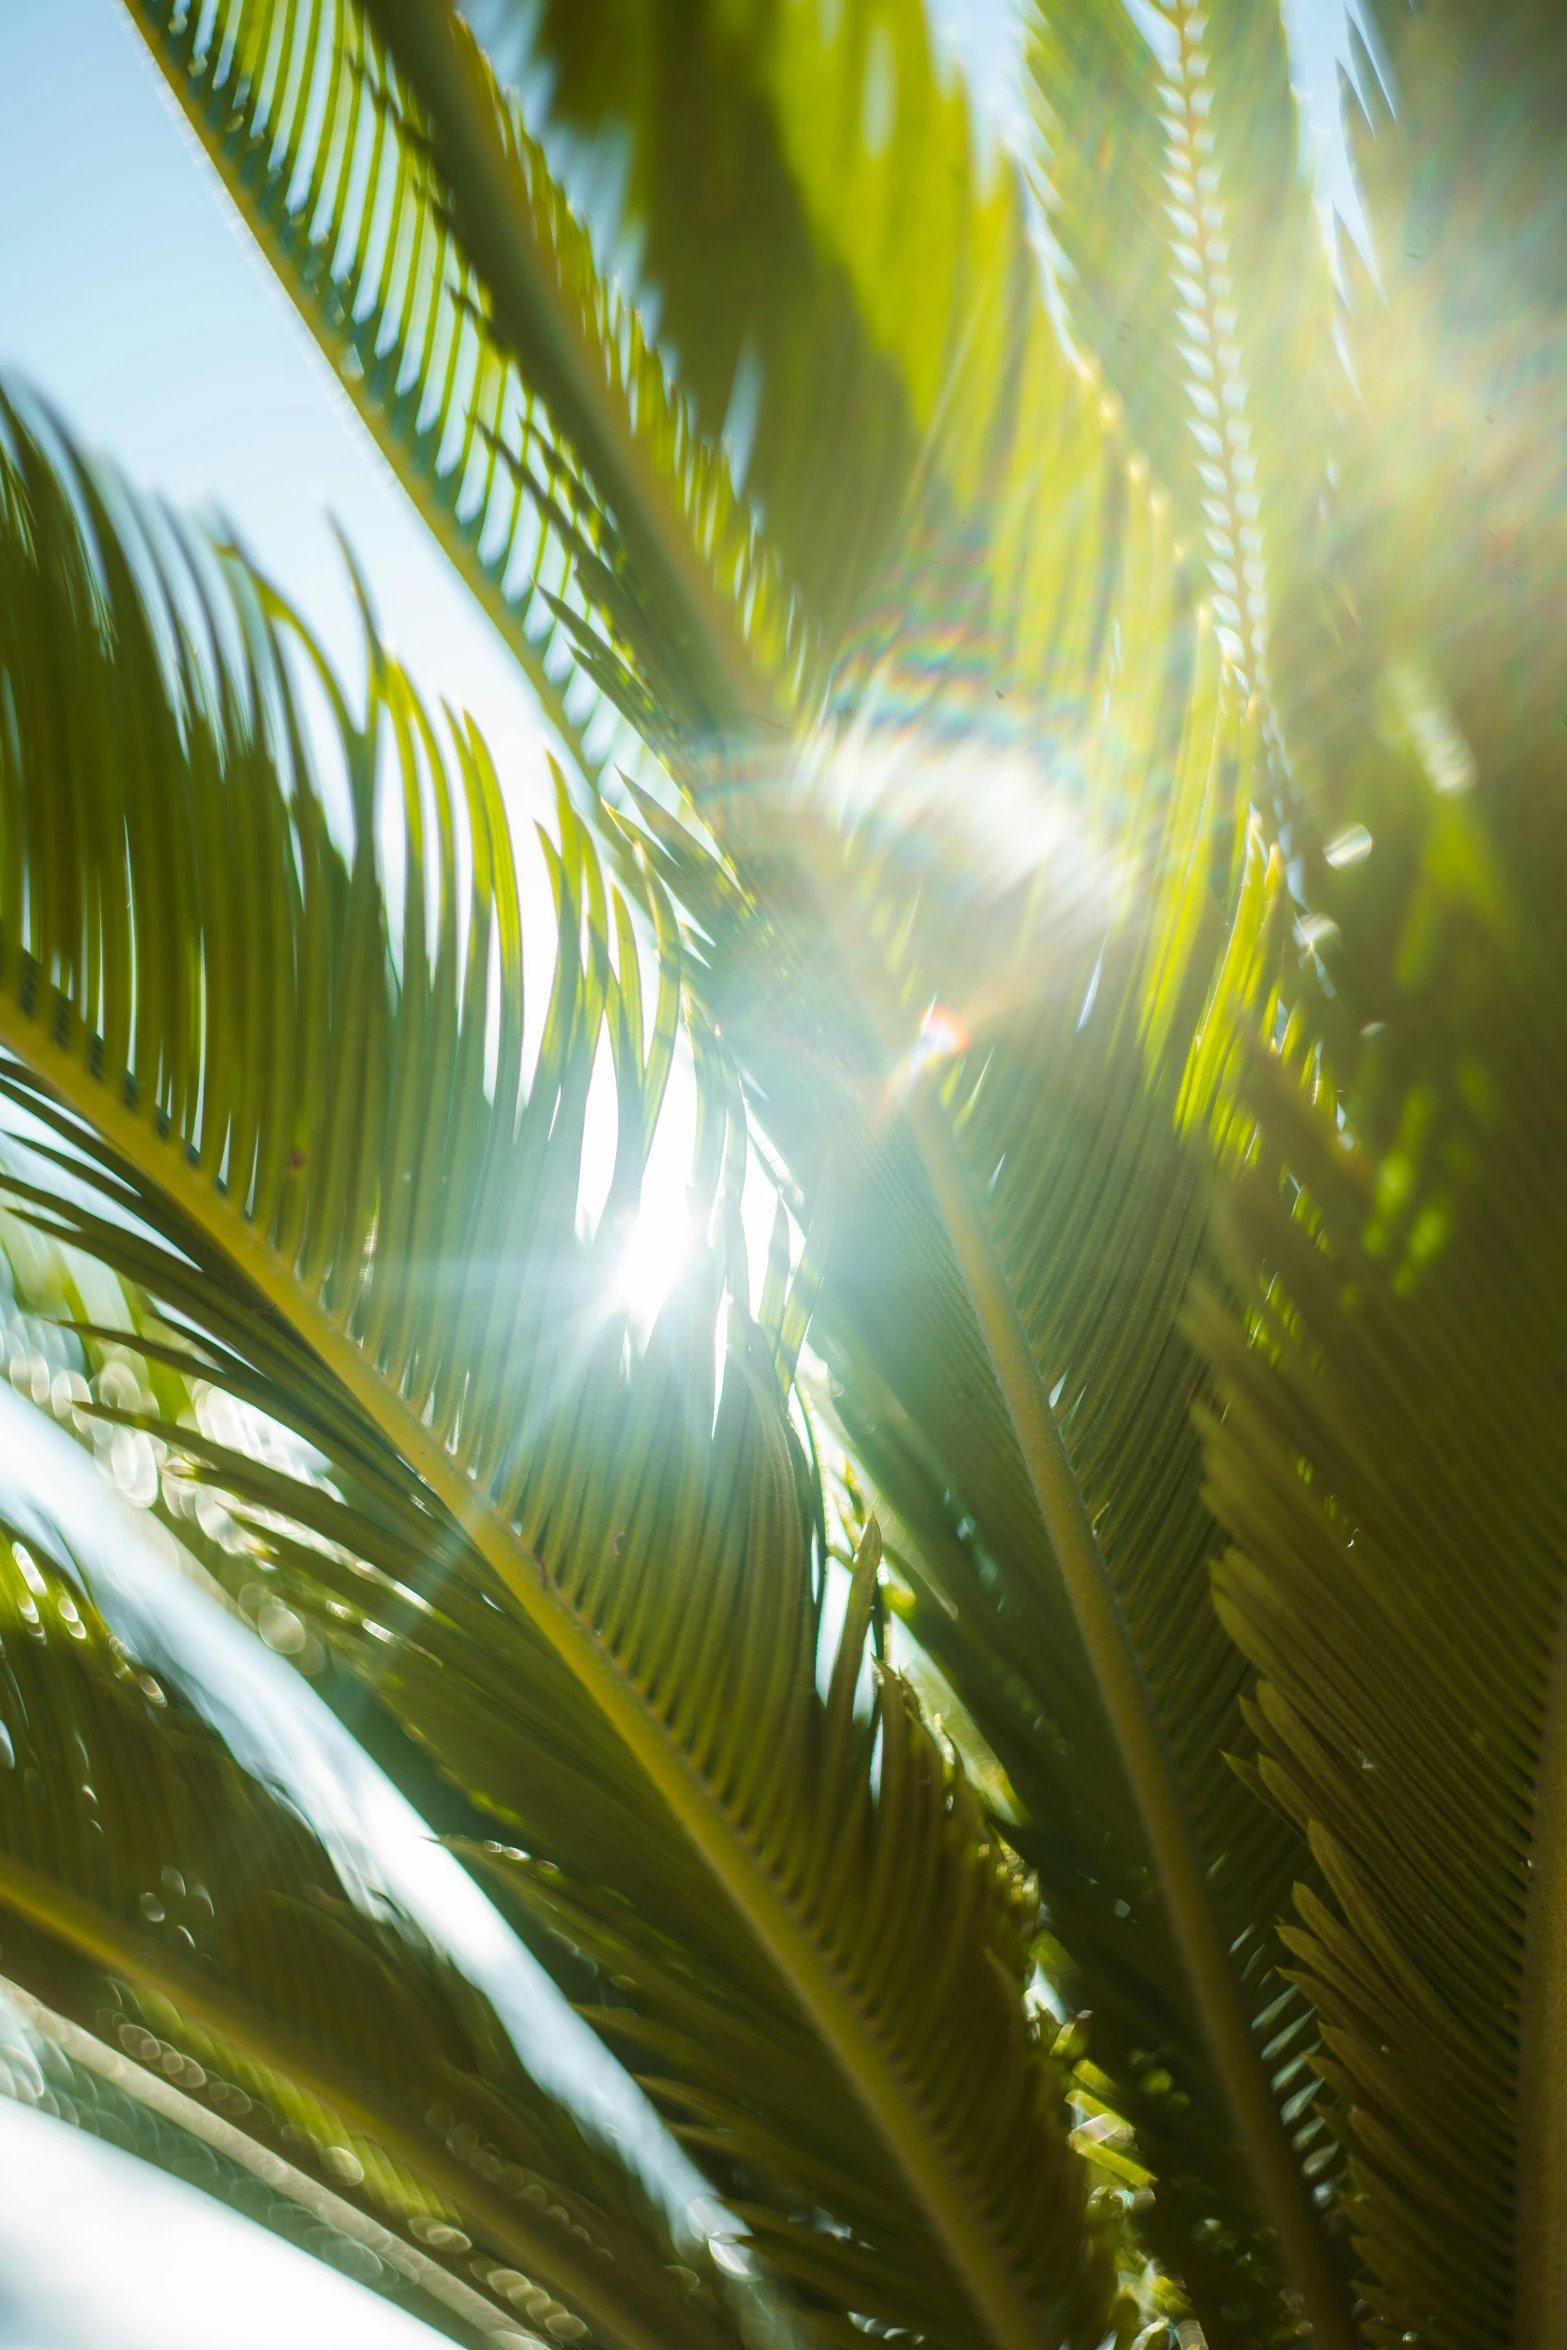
(1099, 92)
(1381, 1446)
(1006, 501)
(844, 285)
(336, 1175)
(586, 497)
(1147, 1006)
(160, 2105)
(1453, 537)
(719, 2050)
(1196, 276)
(1387, 1465)
(149, 1876)
(1422, 702)
(524, 410)
(1431, 78)
(1012, 1251)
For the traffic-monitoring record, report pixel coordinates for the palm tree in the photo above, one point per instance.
(1062, 754)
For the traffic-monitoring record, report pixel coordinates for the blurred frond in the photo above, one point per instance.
(147, 1874)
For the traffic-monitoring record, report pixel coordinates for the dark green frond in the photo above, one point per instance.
(1388, 1462)
(1386, 1459)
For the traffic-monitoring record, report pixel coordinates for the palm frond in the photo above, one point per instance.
(167, 2110)
(1449, 543)
(831, 261)
(1010, 1260)
(334, 1171)
(1383, 1452)
(588, 498)
(1197, 278)
(1429, 80)
(1099, 92)
(523, 408)
(151, 1876)
(1386, 1463)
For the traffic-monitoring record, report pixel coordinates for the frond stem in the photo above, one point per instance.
(1135, 1725)
(1190, 140)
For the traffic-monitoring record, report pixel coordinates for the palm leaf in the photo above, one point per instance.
(1467, 514)
(831, 263)
(729, 2062)
(1099, 93)
(1026, 1234)
(1197, 280)
(1386, 1465)
(96, 2085)
(1005, 493)
(450, 1340)
(589, 501)
(300, 1997)
(1385, 1458)
(540, 439)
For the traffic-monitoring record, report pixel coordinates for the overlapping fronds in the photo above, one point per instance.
(1077, 1210)
(1040, 603)
(586, 496)
(719, 2046)
(1018, 996)
(1388, 1462)
(338, 1179)
(150, 1877)
(1009, 1266)
(846, 285)
(497, 1713)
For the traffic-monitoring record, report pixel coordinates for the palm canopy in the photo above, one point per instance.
(1159, 1065)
